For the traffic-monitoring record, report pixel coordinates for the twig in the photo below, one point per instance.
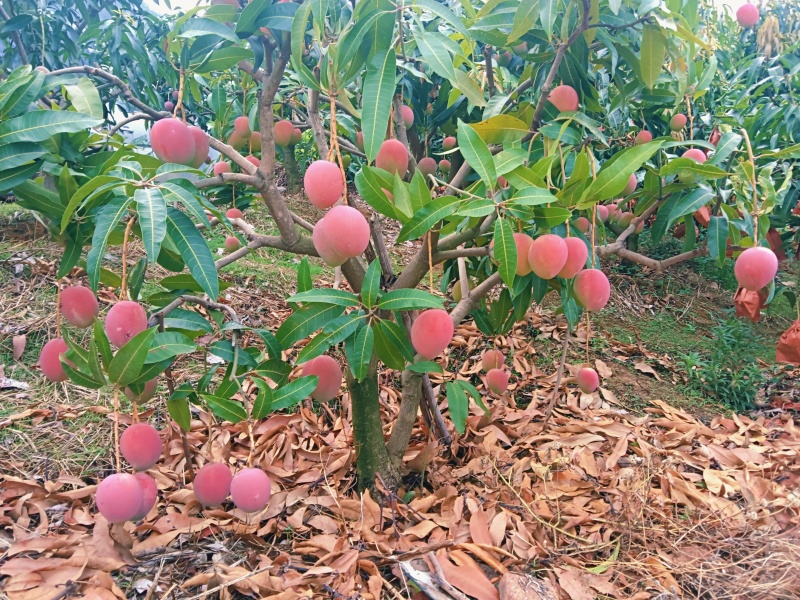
(436, 414)
(157, 317)
(227, 584)
(487, 55)
(116, 429)
(187, 451)
(559, 374)
(23, 54)
(123, 293)
(555, 528)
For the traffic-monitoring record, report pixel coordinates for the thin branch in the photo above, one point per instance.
(339, 105)
(23, 55)
(470, 301)
(463, 278)
(487, 54)
(124, 88)
(380, 248)
(126, 121)
(156, 317)
(444, 255)
(623, 26)
(226, 178)
(400, 127)
(315, 122)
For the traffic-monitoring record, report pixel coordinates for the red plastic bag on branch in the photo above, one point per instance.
(749, 303)
(789, 345)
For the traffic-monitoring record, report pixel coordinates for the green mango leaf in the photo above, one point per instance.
(458, 405)
(129, 360)
(85, 98)
(41, 125)
(199, 27)
(409, 299)
(275, 370)
(222, 59)
(178, 409)
(502, 129)
(333, 333)
(533, 196)
(718, 238)
(187, 320)
(372, 284)
(12, 178)
(262, 405)
(306, 321)
(168, 344)
(19, 154)
(106, 220)
(379, 86)
(101, 341)
(326, 296)
(391, 344)
(613, 176)
(370, 186)
(292, 393)
(152, 211)
(225, 409)
(476, 153)
(426, 366)
(687, 166)
(194, 250)
(425, 218)
(653, 54)
(505, 251)
(304, 282)
(358, 350)
(524, 19)
(435, 53)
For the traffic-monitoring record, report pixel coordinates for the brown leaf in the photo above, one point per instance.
(467, 576)
(574, 584)
(645, 368)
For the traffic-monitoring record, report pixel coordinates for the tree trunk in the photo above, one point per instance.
(403, 425)
(372, 457)
(290, 165)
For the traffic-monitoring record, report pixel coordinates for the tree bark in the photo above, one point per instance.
(292, 174)
(403, 425)
(372, 457)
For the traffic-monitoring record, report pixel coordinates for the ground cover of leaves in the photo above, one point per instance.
(601, 504)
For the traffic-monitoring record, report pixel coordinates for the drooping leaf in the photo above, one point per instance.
(152, 211)
(505, 251)
(458, 406)
(358, 350)
(476, 153)
(653, 53)
(107, 219)
(194, 250)
(379, 85)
